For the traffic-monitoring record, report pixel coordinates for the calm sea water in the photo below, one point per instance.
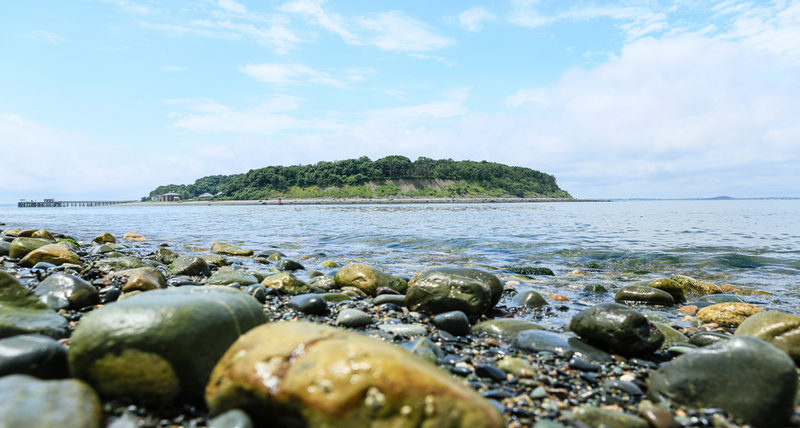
(748, 243)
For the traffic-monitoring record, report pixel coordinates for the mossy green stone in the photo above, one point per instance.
(104, 238)
(20, 247)
(21, 312)
(445, 289)
(189, 265)
(673, 288)
(220, 247)
(615, 327)
(166, 256)
(286, 283)
(28, 402)
(226, 277)
(529, 299)
(56, 254)
(160, 344)
(693, 287)
(114, 264)
(644, 294)
(777, 328)
(367, 279)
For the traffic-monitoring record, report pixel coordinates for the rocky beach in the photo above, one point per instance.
(120, 331)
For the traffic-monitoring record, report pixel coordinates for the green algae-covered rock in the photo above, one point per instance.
(367, 279)
(20, 247)
(693, 287)
(139, 279)
(296, 374)
(160, 344)
(673, 288)
(220, 247)
(529, 299)
(505, 328)
(21, 312)
(732, 313)
(671, 336)
(617, 328)
(189, 265)
(444, 289)
(32, 403)
(286, 283)
(227, 277)
(215, 259)
(114, 264)
(166, 256)
(56, 254)
(644, 294)
(777, 328)
(44, 234)
(104, 238)
(745, 376)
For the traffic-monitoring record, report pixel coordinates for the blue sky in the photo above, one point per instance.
(110, 98)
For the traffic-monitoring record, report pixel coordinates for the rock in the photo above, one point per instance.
(166, 256)
(34, 355)
(777, 328)
(745, 376)
(694, 287)
(367, 279)
(21, 312)
(335, 297)
(353, 318)
(727, 313)
(27, 233)
(594, 288)
(324, 282)
(599, 417)
(289, 265)
(220, 247)
(340, 379)
(189, 265)
(545, 341)
(20, 247)
(438, 290)
(720, 298)
(424, 348)
(32, 403)
(531, 270)
(673, 288)
(330, 264)
(453, 322)
(644, 294)
(63, 291)
(529, 299)
(286, 283)
(104, 238)
(309, 304)
(215, 259)
(44, 234)
(106, 266)
(231, 419)
(405, 330)
(138, 279)
(227, 277)
(516, 366)
(671, 336)
(56, 254)
(615, 327)
(390, 298)
(706, 338)
(505, 328)
(161, 344)
(134, 237)
(4, 248)
(258, 291)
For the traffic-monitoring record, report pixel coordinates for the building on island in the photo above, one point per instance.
(170, 197)
(206, 196)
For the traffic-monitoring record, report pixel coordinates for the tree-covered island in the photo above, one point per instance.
(391, 176)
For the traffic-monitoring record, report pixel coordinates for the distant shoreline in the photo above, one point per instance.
(361, 201)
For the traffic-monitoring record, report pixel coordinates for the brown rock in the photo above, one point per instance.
(694, 287)
(43, 234)
(51, 253)
(729, 313)
(139, 279)
(135, 237)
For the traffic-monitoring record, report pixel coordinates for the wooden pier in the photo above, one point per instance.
(49, 203)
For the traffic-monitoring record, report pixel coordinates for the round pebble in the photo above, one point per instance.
(353, 318)
(310, 303)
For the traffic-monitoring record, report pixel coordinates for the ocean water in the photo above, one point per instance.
(753, 244)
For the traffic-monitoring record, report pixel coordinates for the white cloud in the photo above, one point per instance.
(232, 6)
(314, 12)
(173, 68)
(396, 31)
(474, 18)
(47, 36)
(289, 73)
(129, 7)
(276, 36)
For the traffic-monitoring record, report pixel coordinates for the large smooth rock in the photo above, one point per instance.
(438, 290)
(220, 247)
(228, 276)
(160, 344)
(21, 312)
(56, 254)
(286, 283)
(297, 374)
(745, 376)
(693, 287)
(20, 247)
(65, 291)
(138, 279)
(777, 328)
(732, 313)
(34, 355)
(189, 265)
(32, 403)
(617, 328)
(644, 294)
(367, 279)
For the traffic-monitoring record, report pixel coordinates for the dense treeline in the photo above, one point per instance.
(363, 177)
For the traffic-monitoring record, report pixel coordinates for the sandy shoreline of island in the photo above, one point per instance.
(359, 201)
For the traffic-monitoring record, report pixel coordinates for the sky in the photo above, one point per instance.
(107, 99)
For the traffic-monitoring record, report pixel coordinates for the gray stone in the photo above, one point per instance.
(529, 299)
(227, 277)
(324, 282)
(353, 318)
(286, 283)
(390, 298)
(115, 264)
(745, 376)
(438, 290)
(166, 256)
(33, 355)
(62, 291)
(32, 403)
(545, 341)
(720, 298)
(453, 322)
(615, 327)
(706, 338)
(189, 265)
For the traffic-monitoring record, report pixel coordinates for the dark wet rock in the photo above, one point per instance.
(694, 287)
(310, 303)
(286, 283)
(257, 291)
(529, 299)
(353, 318)
(720, 298)
(505, 328)
(109, 294)
(20, 247)
(227, 277)
(367, 279)
(624, 386)
(453, 322)
(106, 266)
(354, 292)
(730, 314)
(671, 336)
(545, 341)
(161, 344)
(777, 328)
(44, 266)
(594, 288)
(138, 279)
(62, 291)
(21, 312)
(32, 403)
(438, 290)
(745, 376)
(33, 355)
(220, 247)
(289, 265)
(655, 316)
(215, 259)
(673, 288)
(44, 234)
(644, 294)
(424, 348)
(104, 238)
(4, 248)
(264, 375)
(234, 418)
(490, 371)
(615, 327)
(531, 270)
(189, 265)
(166, 256)
(56, 254)
(390, 298)
(706, 338)
(583, 365)
(599, 417)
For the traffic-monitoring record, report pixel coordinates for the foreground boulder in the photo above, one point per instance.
(32, 403)
(617, 328)
(160, 344)
(367, 279)
(294, 374)
(21, 312)
(777, 328)
(745, 376)
(34, 355)
(438, 290)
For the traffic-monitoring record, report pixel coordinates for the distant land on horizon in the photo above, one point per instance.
(390, 176)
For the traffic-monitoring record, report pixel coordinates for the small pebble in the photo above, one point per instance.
(309, 303)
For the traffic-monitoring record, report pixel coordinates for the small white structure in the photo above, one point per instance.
(206, 196)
